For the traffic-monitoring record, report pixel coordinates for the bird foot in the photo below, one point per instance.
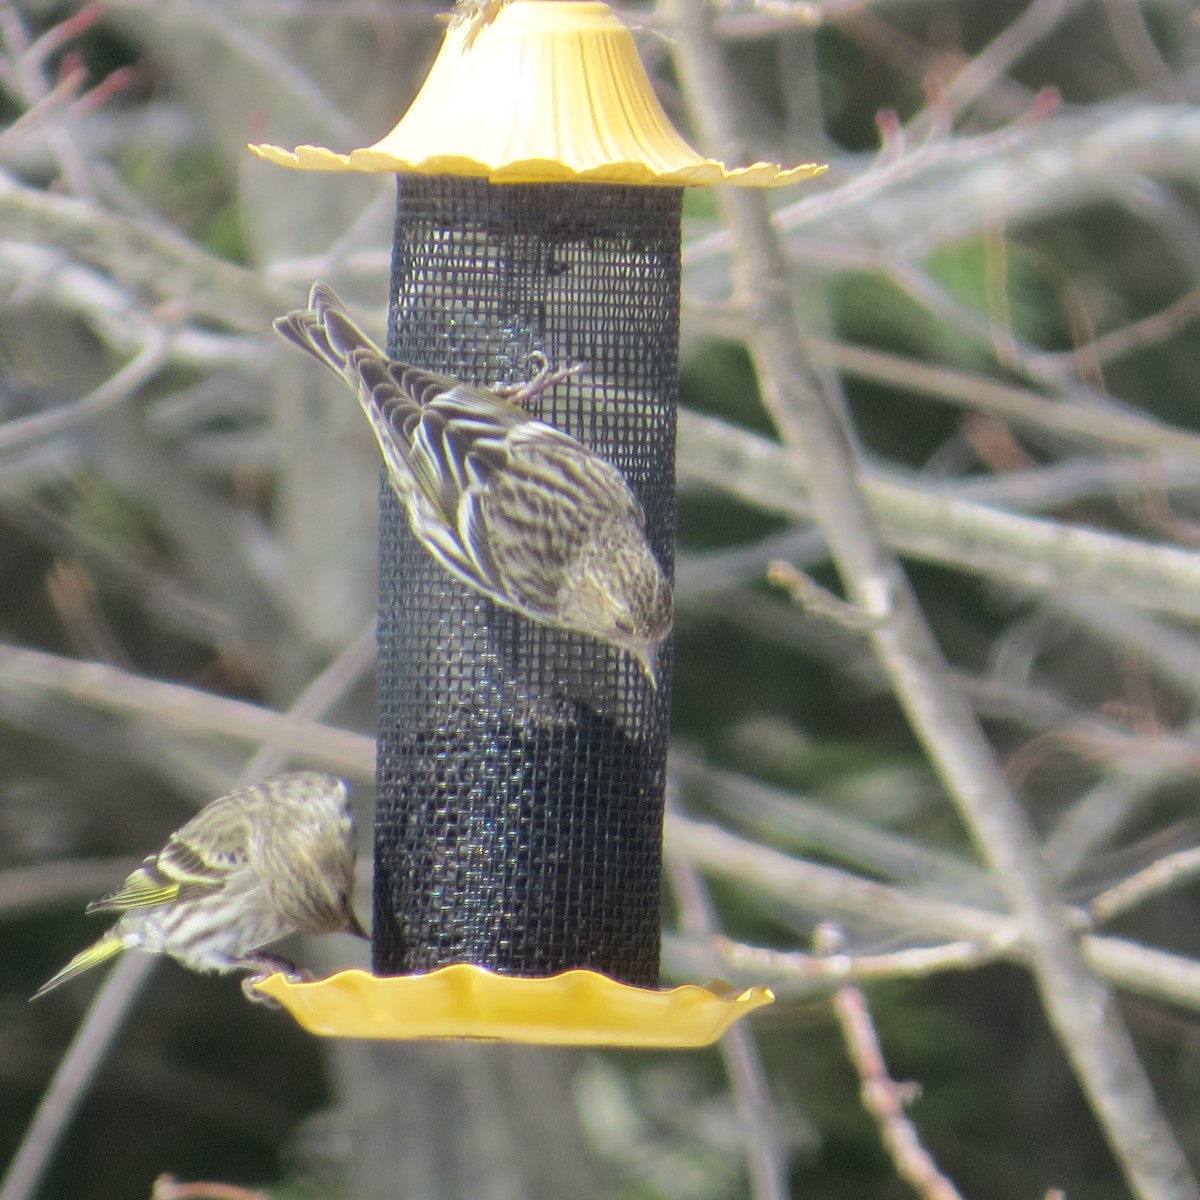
(261, 966)
(547, 377)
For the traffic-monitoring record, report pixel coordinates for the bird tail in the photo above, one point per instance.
(328, 334)
(107, 947)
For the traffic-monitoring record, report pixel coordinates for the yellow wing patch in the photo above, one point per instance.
(143, 889)
(150, 886)
(182, 863)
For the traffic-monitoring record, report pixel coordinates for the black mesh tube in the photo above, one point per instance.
(521, 769)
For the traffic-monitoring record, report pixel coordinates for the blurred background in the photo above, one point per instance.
(998, 285)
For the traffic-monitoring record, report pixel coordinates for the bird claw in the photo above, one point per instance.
(547, 377)
(257, 997)
(263, 967)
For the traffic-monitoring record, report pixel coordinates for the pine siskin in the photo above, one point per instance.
(270, 859)
(508, 504)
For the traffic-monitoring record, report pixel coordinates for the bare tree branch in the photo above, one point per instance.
(1079, 1006)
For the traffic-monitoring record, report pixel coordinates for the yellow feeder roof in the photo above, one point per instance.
(576, 1008)
(550, 91)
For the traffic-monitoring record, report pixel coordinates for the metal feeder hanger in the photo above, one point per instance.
(521, 769)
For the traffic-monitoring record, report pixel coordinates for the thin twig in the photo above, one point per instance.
(1137, 335)
(195, 712)
(818, 601)
(1036, 23)
(1127, 20)
(1104, 810)
(48, 884)
(917, 962)
(816, 887)
(886, 1100)
(27, 64)
(319, 696)
(1168, 872)
(783, 817)
(166, 1187)
(116, 389)
(48, 273)
(1019, 404)
(1146, 971)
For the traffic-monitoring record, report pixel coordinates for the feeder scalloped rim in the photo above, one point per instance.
(550, 91)
(463, 1001)
(702, 173)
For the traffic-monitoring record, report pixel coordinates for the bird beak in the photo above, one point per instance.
(648, 657)
(356, 929)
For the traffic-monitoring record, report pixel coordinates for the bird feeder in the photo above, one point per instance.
(521, 768)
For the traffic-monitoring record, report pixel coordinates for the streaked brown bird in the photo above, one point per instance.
(510, 505)
(273, 858)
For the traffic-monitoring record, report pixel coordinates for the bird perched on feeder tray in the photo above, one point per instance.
(508, 504)
(273, 858)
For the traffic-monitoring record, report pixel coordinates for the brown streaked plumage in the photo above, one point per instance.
(508, 504)
(273, 858)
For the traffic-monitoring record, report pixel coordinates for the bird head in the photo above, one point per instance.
(331, 897)
(303, 848)
(618, 593)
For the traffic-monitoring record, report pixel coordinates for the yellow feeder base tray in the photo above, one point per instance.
(576, 1008)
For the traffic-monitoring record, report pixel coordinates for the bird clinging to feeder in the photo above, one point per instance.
(513, 507)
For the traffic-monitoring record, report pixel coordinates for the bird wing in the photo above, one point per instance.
(182, 870)
(151, 885)
(485, 483)
(525, 495)
(435, 424)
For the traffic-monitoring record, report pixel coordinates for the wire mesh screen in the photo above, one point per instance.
(521, 768)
